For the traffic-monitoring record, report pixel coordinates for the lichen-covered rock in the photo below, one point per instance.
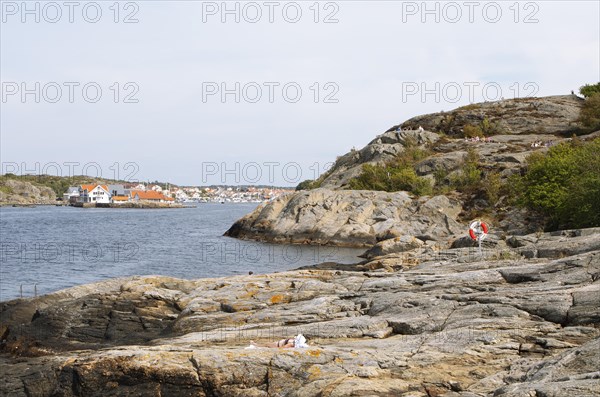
(392, 246)
(557, 244)
(454, 323)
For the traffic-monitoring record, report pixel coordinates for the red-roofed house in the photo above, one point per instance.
(94, 194)
(119, 199)
(150, 195)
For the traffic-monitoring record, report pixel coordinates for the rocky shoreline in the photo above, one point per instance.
(415, 323)
(427, 313)
(35, 204)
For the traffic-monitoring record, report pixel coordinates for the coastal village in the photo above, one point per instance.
(106, 194)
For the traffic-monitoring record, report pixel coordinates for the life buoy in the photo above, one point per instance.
(472, 234)
(478, 230)
(484, 227)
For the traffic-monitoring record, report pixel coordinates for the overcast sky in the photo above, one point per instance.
(361, 67)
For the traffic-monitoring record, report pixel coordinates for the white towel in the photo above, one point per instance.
(300, 341)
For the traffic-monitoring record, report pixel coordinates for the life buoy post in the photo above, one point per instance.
(478, 230)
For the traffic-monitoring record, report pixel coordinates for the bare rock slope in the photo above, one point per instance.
(349, 218)
(447, 324)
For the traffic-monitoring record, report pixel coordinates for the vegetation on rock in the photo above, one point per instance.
(563, 184)
(483, 129)
(58, 184)
(589, 90)
(557, 186)
(396, 175)
(589, 116)
(307, 184)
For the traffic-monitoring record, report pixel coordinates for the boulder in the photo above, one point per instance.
(394, 245)
(349, 218)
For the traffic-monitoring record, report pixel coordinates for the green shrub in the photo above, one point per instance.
(390, 179)
(589, 90)
(447, 125)
(307, 185)
(468, 176)
(564, 185)
(421, 187)
(589, 115)
(492, 185)
(440, 174)
(396, 175)
(411, 155)
(472, 131)
(490, 127)
(485, 128)
(466, 179)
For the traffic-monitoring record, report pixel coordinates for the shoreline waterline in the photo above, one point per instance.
(45, 249)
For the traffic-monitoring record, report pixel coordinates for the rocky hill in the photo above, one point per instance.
(332, 215)
(417, 322)
(25, 193)
(532, 119)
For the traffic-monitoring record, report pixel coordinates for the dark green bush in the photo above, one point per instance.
(564, 185)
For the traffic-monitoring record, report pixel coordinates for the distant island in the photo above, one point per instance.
(83, 191)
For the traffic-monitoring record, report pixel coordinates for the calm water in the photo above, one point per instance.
(51, 248)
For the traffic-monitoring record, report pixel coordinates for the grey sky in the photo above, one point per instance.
(372, 57)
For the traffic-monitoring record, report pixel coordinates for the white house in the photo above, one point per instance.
(94, 194)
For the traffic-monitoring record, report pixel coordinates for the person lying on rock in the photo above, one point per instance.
(298, 341)
(283, 343)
